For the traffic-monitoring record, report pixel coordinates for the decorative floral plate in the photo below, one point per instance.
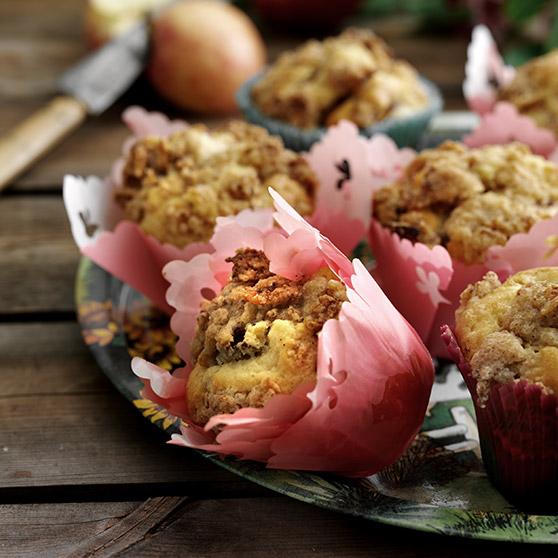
(438, 486)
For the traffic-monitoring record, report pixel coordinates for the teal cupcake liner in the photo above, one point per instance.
(406, 132)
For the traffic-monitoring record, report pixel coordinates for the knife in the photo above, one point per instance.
(88, 88)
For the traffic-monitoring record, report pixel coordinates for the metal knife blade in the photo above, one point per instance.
(100, 78)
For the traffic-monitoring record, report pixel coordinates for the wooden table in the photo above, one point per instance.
(81, 472)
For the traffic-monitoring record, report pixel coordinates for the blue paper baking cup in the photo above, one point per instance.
(405, 131)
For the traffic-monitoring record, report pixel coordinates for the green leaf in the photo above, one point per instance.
(520, 54)
(519, 11)
(552, 38)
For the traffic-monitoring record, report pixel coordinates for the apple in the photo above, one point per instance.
(201, 53)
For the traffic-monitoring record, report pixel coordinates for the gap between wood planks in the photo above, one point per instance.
(194, 489)
(251, 527)
(38, 317)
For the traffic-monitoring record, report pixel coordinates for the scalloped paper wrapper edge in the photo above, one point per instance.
(370, 364)
(518, 430)
(424, 283)
(343, 162)
(500, 122)
(405, 131)
(503, 124)
(119, 246)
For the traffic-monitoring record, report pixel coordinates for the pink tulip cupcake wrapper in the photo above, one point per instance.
(485, 73)
(518, 430)
(343, 164)
(374, 375)
(424, 283)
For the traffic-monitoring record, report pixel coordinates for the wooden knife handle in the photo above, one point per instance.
(34, 137)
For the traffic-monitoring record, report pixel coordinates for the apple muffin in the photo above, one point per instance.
(175, 187)
(534, 90)
(509, 331)
(469, 199)
(352, 76)
(258, 337)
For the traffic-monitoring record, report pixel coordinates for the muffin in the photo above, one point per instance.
(175, 187)
(293, 355)
(506, 344)
(258, 337)
(353, 76)
(468, 200)
(533, 90)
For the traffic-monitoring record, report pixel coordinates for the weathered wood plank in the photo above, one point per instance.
(62, 424)
(34, 51)
(149, 517)
(92, 148)
(248, 527)
(32, 530)
(278, 527)
(31, 65)
(45, 360)
(38, 257)
(90, 439)
(41, 18)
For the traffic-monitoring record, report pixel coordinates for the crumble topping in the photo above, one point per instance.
(258, 337)
(352, 76)
(175, 187)
(509, 331)
(469, 199)
(533, 90)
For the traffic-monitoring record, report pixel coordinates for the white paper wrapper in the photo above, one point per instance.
(345, 164)
(485, 73)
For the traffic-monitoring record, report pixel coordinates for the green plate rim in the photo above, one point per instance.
(95, 285)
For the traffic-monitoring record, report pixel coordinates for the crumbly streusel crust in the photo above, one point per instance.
(509, 331)
(176, 187)
(469, 199)
(352, 76)
(258, 337)
(534, 90)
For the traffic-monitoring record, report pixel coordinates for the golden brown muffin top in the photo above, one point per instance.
(509, 331)
(175, 187)
(469, 199)
(254, 294)
(534, 90)
(258, 337)
(352, 76)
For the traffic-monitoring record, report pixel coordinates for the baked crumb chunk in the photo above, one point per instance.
(176, 187)
(352, 76)
(258, 337)
(469, 199)
(509, 331)
(534, 90)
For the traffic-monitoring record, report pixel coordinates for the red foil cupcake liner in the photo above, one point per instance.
(518, 429)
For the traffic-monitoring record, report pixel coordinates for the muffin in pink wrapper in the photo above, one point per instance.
(174, 181)
(453, 214)
(294, 356)
(514, 104)
(505, 345)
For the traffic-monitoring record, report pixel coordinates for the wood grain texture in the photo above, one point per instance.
(38, 257)
(33, 57)
(31, 139)
(66, 436)
(278, 527)
(249, 528)
(63, 424)
(33, 530)
(31, 19)
(139, 525)
(50, 359)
